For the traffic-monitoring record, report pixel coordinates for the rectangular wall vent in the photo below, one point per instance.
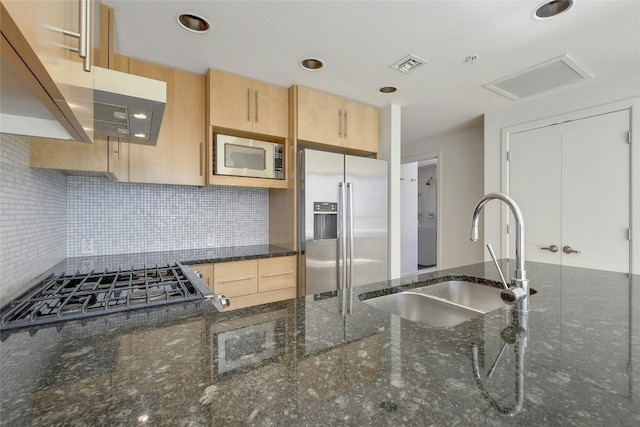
(408, 63)
(550, 75)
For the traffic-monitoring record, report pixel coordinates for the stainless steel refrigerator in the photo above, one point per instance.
(343, 221)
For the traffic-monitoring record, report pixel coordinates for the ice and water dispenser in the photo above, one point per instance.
(325, 220)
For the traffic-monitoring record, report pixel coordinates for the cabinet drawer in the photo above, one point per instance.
(236, 278)
(261, 298)
(276, 273)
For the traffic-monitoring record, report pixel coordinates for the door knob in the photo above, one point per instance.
(552, 248)
(569, 250)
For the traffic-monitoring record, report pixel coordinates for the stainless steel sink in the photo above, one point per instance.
(441, 305)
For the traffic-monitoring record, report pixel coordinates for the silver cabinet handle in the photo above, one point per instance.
(552, 248)
(340, 123)
(346, 123)
(201, 158)
(86, 65)
(569, 250)
(284, 273)
(249, 104)
(84, 35)
(119, 150)
(256, 106)
(239, 279)
(82, 42)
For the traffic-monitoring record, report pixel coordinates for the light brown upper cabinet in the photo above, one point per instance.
(103, 156)
(178, 157)
(328, 119)
(238, 103)
(37, 51)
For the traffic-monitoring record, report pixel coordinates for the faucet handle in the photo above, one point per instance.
(495, 262)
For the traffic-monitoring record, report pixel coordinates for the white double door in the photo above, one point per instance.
(572, 181)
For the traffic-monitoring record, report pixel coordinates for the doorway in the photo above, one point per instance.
(427, 214)
(419, 212)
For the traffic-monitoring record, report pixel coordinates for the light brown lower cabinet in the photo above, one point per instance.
(205, 271)
(252, 282)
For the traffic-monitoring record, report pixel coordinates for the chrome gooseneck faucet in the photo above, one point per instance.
(518, 292)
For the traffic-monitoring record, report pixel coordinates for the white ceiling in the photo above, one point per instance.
(359, 40)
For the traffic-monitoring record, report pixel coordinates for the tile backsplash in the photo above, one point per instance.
(33, 217)
(45, 215)
(128, 218)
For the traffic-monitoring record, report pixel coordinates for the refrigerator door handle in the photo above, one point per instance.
(342, 241)
(350, 234)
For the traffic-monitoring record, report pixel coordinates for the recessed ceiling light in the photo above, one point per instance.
(312, 64)
(140, 116)
(385, 90)
(551, 8)
(193, 22)
(139, 135)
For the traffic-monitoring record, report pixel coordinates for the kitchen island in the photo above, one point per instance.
(330, 359)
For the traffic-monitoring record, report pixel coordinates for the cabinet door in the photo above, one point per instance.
(276, 273)
(230, 101)
(319, 117)
(41, 45)
(178, 156)
(69, 155)
(103, 156)
(206, 270)
(235, 278)
(271, 109)
(361, 127)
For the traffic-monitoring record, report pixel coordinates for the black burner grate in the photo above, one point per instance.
(66, 297)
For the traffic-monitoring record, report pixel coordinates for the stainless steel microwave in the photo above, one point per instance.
(248, 157)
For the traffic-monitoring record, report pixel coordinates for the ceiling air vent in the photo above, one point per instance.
(550, 75)
(408, 63)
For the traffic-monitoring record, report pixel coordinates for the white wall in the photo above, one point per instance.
(621, 91)
(390, 120)
(460, 186)
(409, 211)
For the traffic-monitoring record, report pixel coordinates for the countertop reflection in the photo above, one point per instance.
(315, 361)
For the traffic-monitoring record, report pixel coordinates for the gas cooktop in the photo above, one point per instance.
(74, 296)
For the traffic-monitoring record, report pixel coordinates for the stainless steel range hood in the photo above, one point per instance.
(128, 107)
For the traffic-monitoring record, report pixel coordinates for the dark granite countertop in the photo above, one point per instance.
(85, 264)
(304, 363)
